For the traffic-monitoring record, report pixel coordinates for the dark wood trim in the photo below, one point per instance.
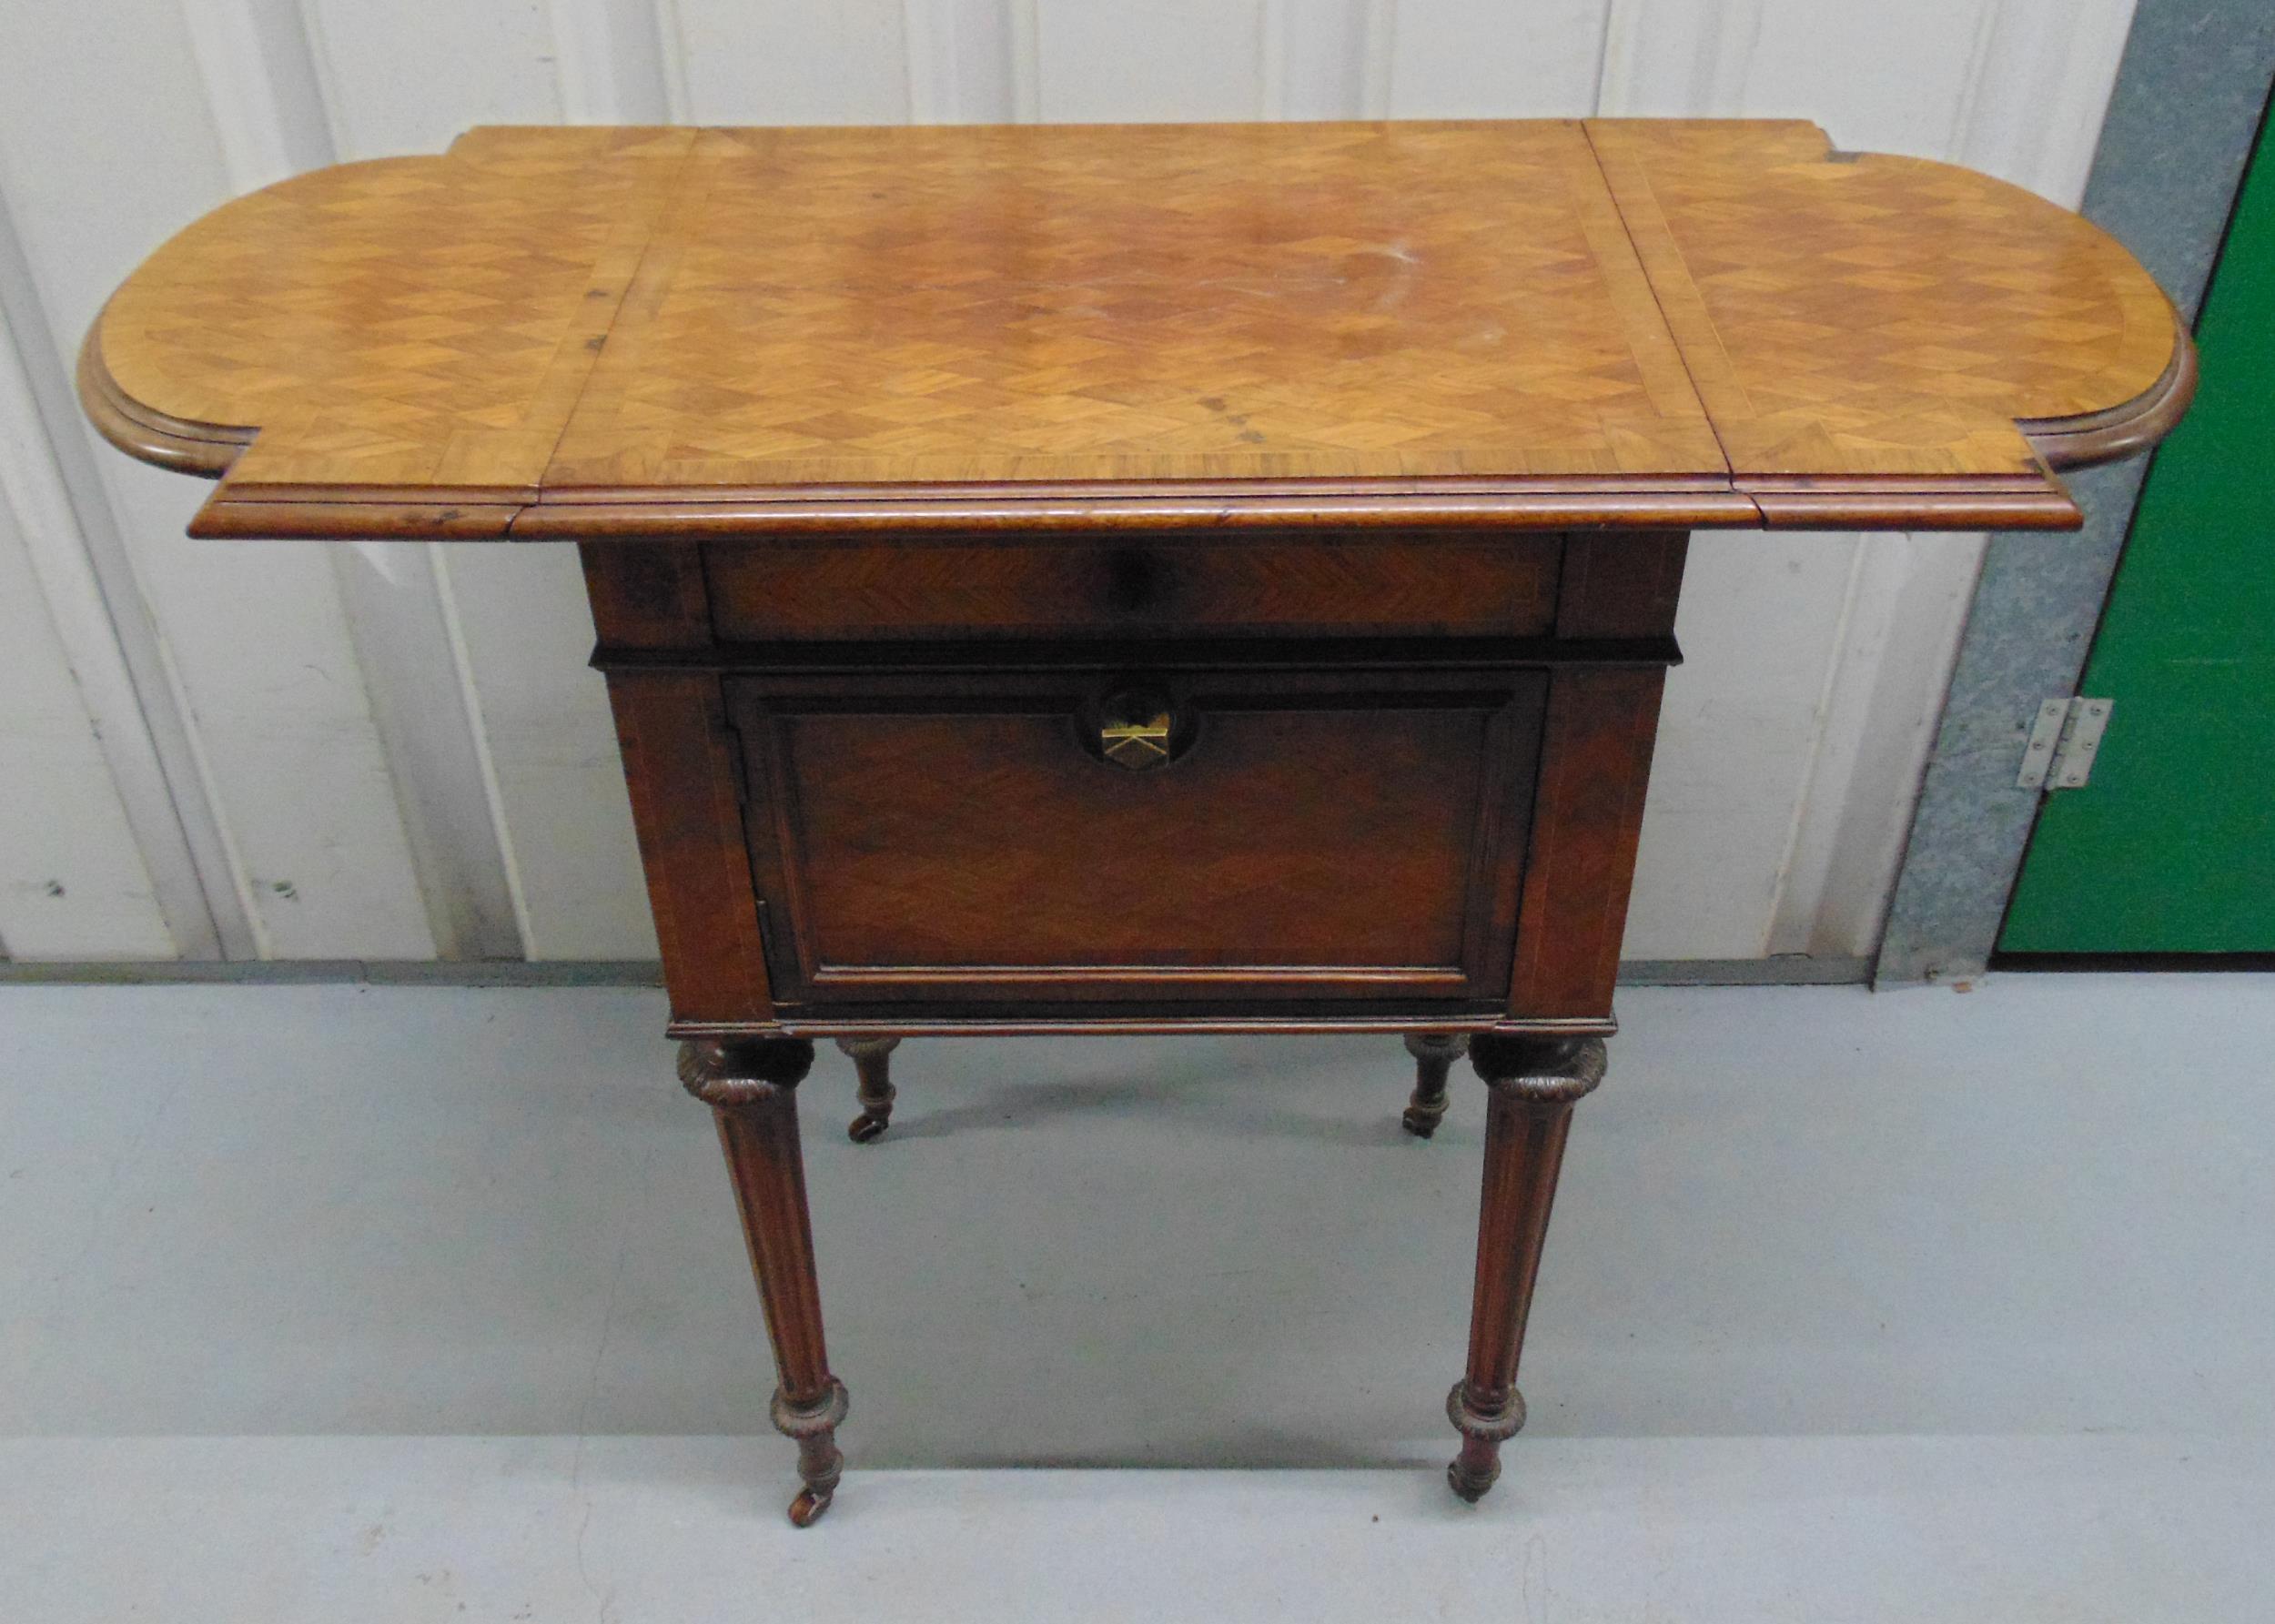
(226, 517)
(1803, 502)
(1621, 586)
(681, 763)
(650, 605)
(979, 491)
(1021, 585)
(1761, 502)
(1041, 980)
(1389, 653)
(1186, 505)
(1608, 506)
(1595, 760)
(2121, 430)
(1811, 503)
(345, 493)
(672, 731)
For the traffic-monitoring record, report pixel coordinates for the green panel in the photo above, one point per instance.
(2171, 847)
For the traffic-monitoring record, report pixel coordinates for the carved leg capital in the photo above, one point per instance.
(727, 1072)
(873, 1062)
(1538, 1071)
(1434, 1054)
(1533, 1082)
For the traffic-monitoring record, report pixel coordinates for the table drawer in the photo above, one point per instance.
(920, 840)
(1072, 586)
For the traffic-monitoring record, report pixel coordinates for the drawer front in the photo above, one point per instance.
(972, 840)
(1077, 586)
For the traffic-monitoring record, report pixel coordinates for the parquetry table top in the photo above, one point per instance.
(578, 331)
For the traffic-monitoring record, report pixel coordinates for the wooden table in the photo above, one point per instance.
(1142, 578)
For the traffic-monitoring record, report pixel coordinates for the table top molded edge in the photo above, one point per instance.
(560, 512)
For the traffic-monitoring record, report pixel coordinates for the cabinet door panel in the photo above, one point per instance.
(1315, 836)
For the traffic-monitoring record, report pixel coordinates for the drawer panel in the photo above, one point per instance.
(1456, 583)
(1312, 835)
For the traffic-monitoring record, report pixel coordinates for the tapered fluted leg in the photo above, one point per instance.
(1534, 1085)
(1434, 1054)
(750, 1085)
(872, 1061)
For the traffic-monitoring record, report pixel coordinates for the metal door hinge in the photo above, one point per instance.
(2064, 741)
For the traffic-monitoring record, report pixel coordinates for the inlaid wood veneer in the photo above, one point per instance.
(580, 332)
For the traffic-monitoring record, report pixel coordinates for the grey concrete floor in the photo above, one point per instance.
(337, 1303)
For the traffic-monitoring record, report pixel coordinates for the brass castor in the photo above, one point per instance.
(807, 1509)
(814, 1426)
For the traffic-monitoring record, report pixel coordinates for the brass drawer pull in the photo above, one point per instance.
(1134, 729)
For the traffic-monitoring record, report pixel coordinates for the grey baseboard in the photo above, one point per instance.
(380, 973)
(1786, 970)
(1789, 969)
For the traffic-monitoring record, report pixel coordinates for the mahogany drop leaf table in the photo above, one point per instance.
(1135, 579)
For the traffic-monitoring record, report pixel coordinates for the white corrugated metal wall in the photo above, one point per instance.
(287, 750)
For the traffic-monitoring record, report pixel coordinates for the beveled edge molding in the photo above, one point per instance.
(1745, 502)
(1698, 501)
(709, 514)
(144, 433)
(418, 516)
(1758, 502)
(743, 1069)
(2119, 431)
(1891, 502)
(1749, 501)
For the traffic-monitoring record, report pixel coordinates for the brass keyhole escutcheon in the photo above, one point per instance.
(1134, 730)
